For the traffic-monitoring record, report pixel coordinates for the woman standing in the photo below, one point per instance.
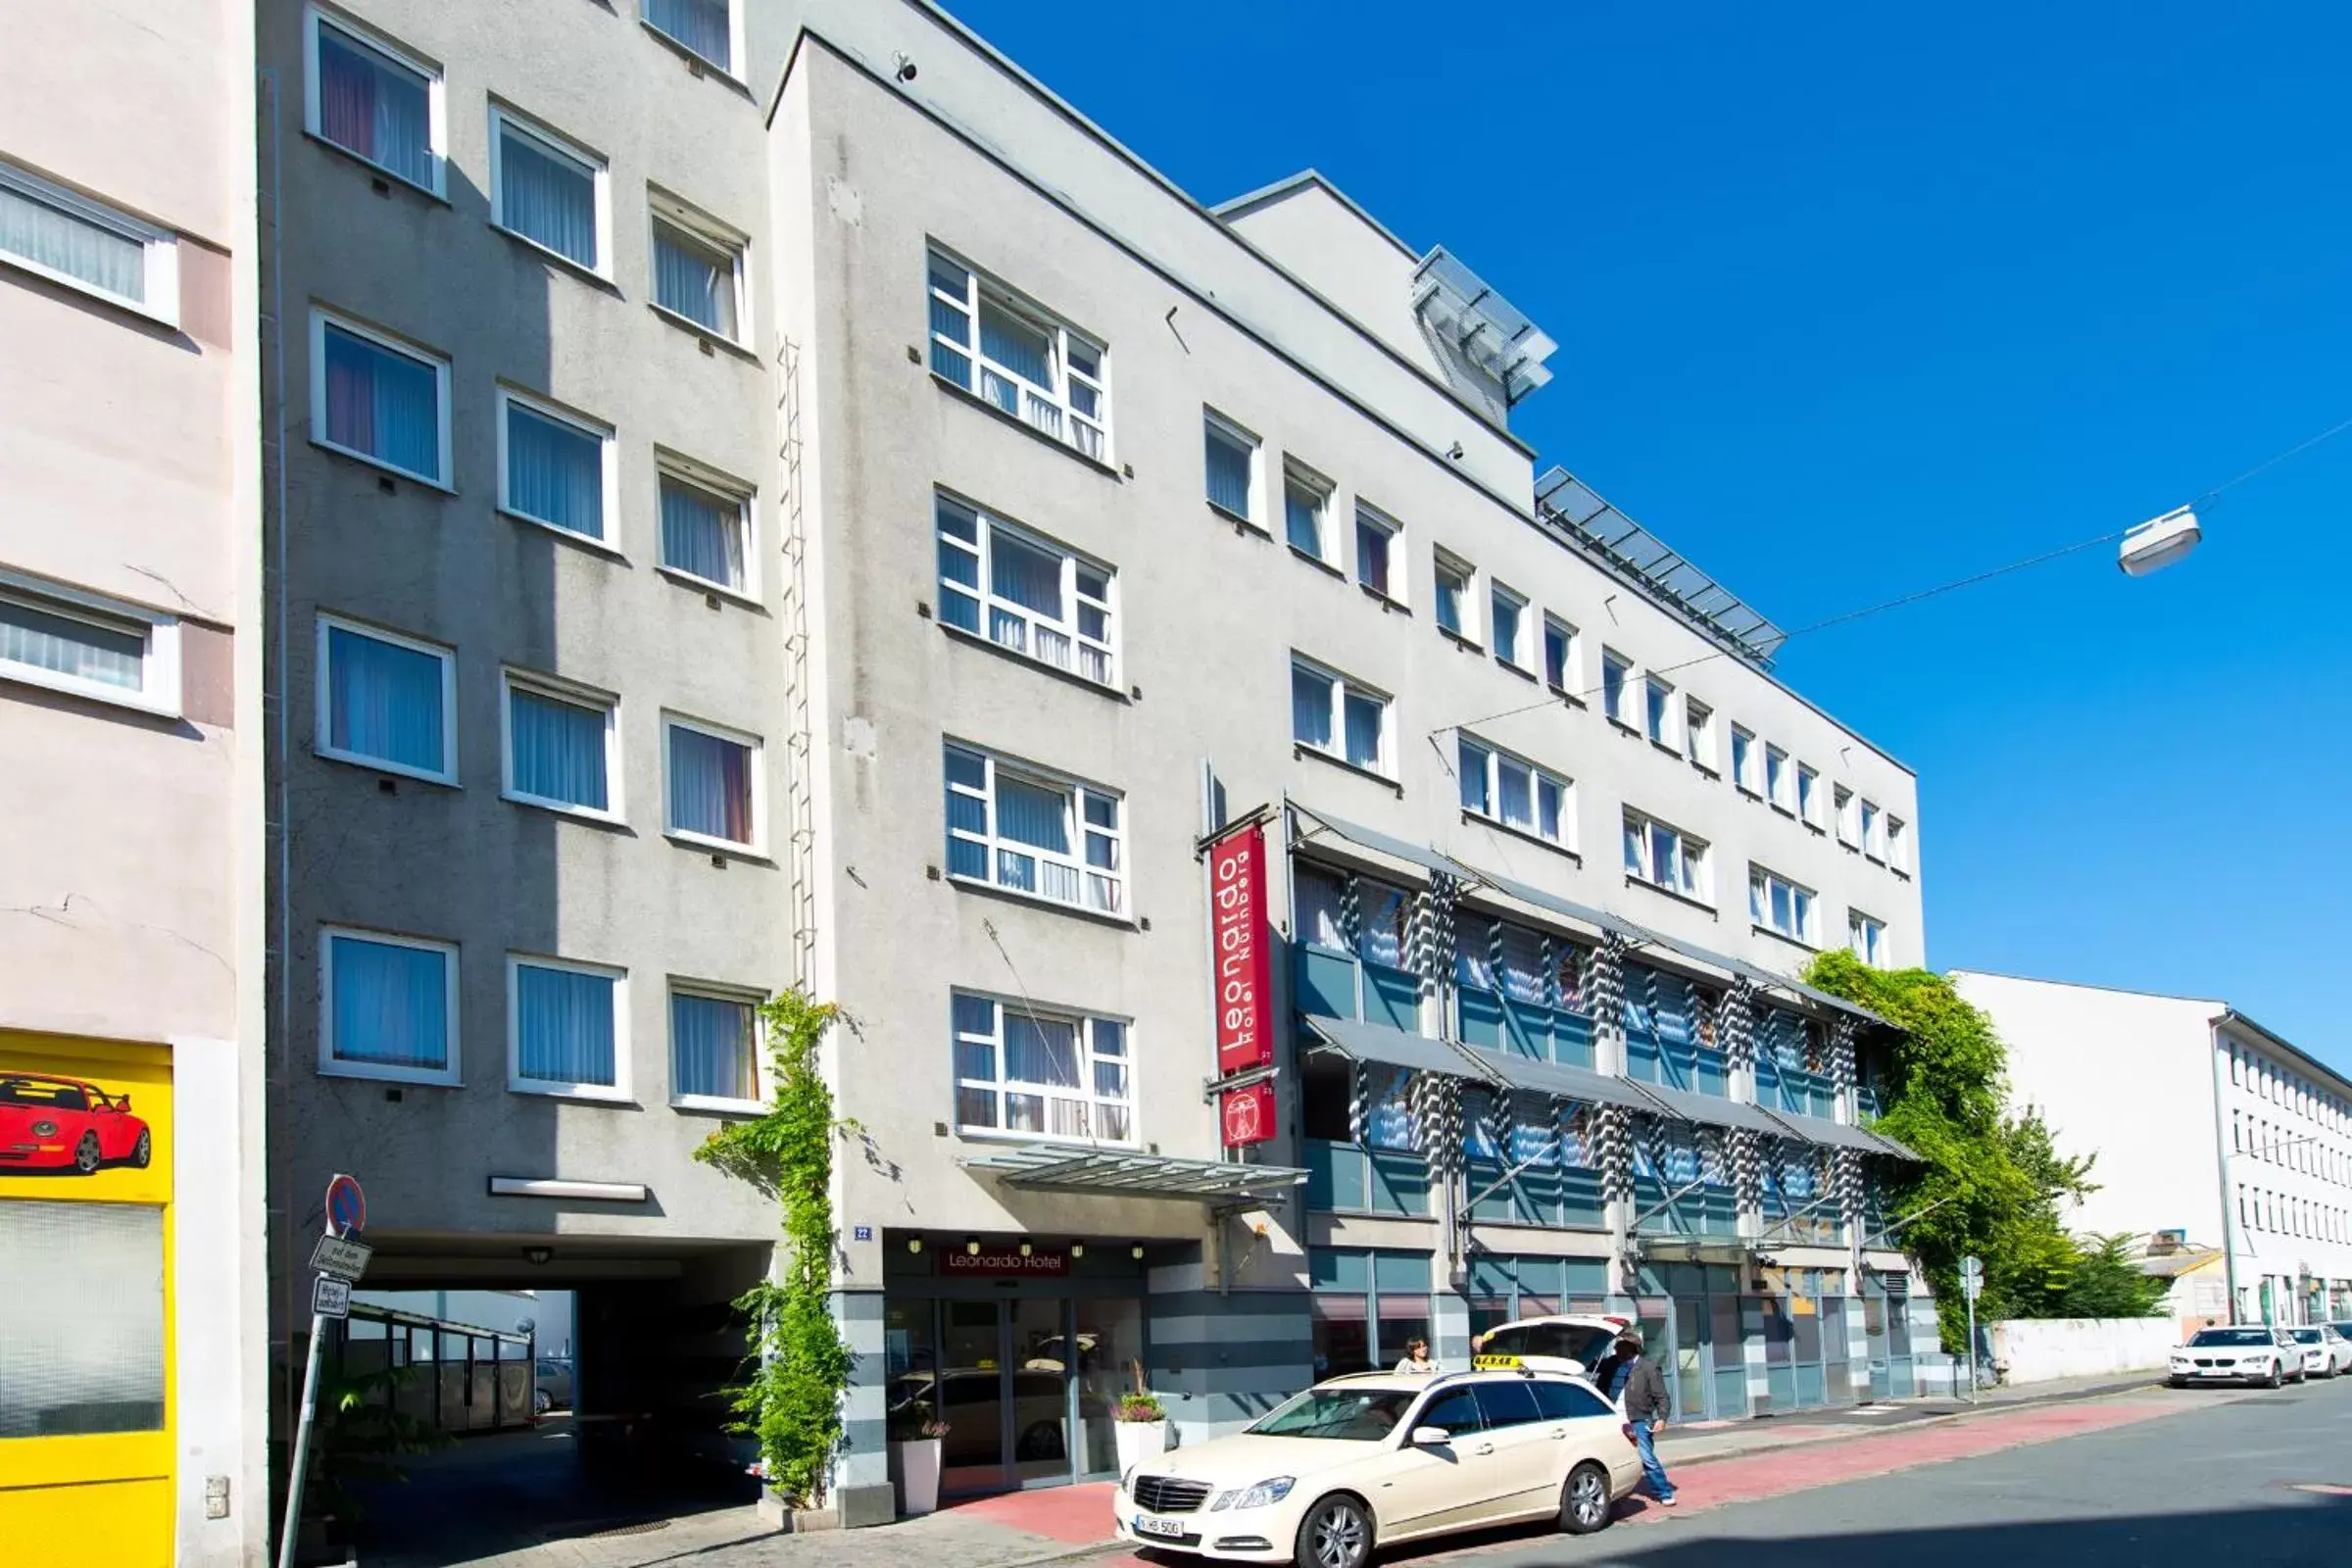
(1416, 1357)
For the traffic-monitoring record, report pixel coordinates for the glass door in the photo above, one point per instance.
(1110, 1336)
(1039, 1371)
(972, 1395)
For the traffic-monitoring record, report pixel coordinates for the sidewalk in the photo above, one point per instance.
(1724, 1440)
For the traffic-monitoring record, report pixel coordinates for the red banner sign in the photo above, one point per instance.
(1247, 1115)
(999, 1262)
(1236, 946)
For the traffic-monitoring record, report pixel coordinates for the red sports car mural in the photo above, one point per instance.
(68, 1124)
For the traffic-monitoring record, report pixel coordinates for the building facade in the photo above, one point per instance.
(773, 496)
(132, 718)
(2204, 1122)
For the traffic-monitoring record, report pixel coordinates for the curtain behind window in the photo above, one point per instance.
(1014, 344)
(710, 1048)
(694, 279)
(1040, 1051)
(1318, 919)
(709, 786)
(562, 1026)
(69, 243)
(383, 404)
(391, 1004)
(1032, 815)
(558, 749)
(554, 471)
(699, 24)
(702, 534)
(1364, 714)
(384, 700)
(1025, 575)
(1310, 707)
(69, 646)
(375, 108)
(547, 197)
(1228, 472)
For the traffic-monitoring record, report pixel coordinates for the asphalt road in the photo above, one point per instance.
(2213, 1486)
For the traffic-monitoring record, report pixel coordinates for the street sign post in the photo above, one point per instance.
(1971, 1286)
(340, 1262)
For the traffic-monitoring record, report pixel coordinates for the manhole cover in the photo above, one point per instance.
(2325, 1489)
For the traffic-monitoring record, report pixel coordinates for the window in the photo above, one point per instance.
(1016, 827)
(1898, 845)
(1023, 1069)
(1516, 792)
(88, 644)
(1508, 623)
(714, 1048)
(1808, 795)
(1305, 505)
(1744, 761)
(1780, 906)
(1849, 821)
(699, 26)
(554, 468)
(713, 784)
(1453, 596)
(1333, 715)
(1666, 857)
(698, 268)
(1024, 593)
(706, 526)
(1375, 550)
(1873, 832)
(1616, 695)
(1698, 733)
(1231, 454)
(82, 1325)
(388, 1007)
(377, 399)
(86, 246)
(562, 747)
(387, 702)
(1560, 656)
(1657, 711)
(549, 191)
(567, 1029)
(377, 103)
(1779, 785)
(1026, 363)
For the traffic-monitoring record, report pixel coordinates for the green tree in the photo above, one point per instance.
(2106, 1285)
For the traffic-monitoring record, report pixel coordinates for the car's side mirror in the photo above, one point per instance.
(1431, 1436)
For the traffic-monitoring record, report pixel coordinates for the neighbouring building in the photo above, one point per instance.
(131, 724)
(773, 495)
(2205, 1124)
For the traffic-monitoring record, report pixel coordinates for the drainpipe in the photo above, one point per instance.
(2221, 1162)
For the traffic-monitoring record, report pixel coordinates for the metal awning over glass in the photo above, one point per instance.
(1393, 1048)
(1568, 1083)
(1486, 328)
(1599, 919)
(1714, 1109)
(1827, 1134)
(1567, 504)
(1896, 1147)
(1381, 843)
(1128, 1173)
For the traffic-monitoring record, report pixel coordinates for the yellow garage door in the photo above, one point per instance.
(86, 1303)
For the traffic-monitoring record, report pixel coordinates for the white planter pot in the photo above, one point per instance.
(918, 1475)
(1138, 1440)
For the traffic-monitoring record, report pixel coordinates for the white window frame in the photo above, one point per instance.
(758, 847)
(505, 118)
(435, 96)
(1500, 594)
(1698, 869)
(1780, 779)
(320, 319)
(1002, 1086)
(1344, 686)
(1445, 564)
(1808, 795)
(1662, 714)
(1074, 790)
(553, 688)
(665, 211)
(1231, 431)
(322, 679)
(331, 1065)
(1746, 761)
(159, 247)
(1698, 734)
(978, 282)
(1572, 651)
(1845, 808)
(714, 990)
(617, 1091)
(159, 690)
(1495, 758)
(1874, 830)
(607, 448)
(1898, 843)
(1379, 522)
(1808, 914)
(1614, 708)
(693, 475)
(1306, 480)
(732, 72)
(991, 604)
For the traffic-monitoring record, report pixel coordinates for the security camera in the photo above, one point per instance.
(902, 65)
(1455, 452)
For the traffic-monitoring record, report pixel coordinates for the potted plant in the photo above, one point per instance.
(1140, 1424)
(915, 1448)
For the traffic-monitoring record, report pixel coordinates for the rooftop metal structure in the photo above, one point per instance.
(1567, 504)
(1486, 328)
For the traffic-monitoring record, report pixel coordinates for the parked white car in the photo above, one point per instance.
(2244, 1352)
(2326, 1351)
(1370, 1461)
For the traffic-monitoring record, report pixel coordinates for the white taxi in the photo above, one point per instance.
(1378, 1459)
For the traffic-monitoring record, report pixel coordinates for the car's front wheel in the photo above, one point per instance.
(1585, 1500)
(86, 1157)
(144, 1150)
(2277, 1377)
(1337, 1533)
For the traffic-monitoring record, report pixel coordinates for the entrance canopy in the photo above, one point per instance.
(1125, 1173)
(1837, 1135)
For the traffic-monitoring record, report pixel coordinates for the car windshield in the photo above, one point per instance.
(2210, 1337)
(1361, 1415)
(2309, 1337)
(1574, 1341)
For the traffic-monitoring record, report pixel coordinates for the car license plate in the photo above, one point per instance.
(1493, 1363)
(1166, 1529)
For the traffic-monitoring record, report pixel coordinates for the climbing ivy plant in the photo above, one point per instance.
(791, 1402)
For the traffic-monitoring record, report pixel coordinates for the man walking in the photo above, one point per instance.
(1635, 1382)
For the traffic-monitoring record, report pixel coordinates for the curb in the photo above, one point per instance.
(1945, 1418)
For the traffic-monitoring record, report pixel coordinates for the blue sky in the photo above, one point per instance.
(1856, 300)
